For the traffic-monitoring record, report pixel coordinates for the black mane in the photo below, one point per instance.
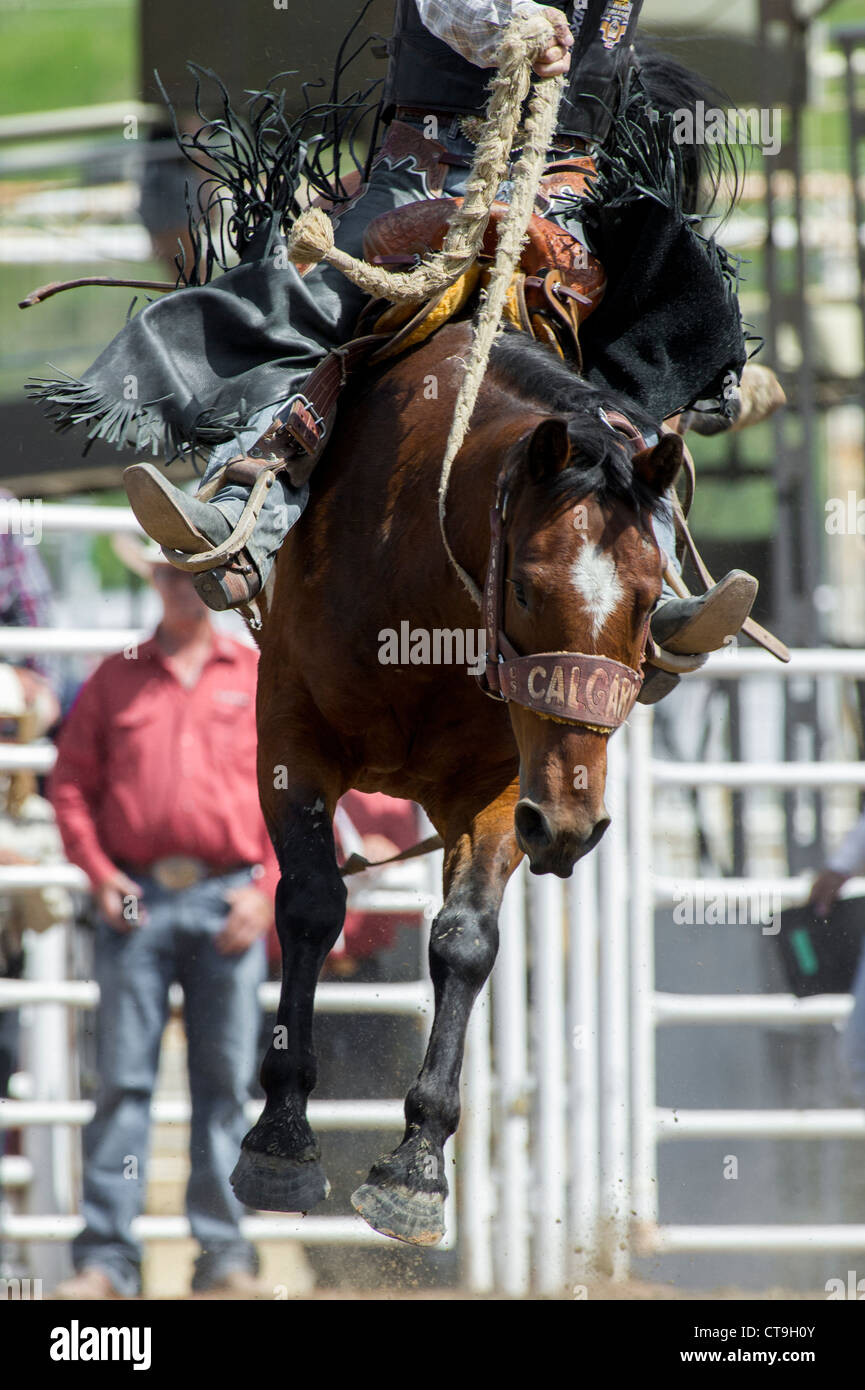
(672, 87)
(602, 460)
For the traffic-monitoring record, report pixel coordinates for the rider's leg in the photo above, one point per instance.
(323, 308)
(703, 622)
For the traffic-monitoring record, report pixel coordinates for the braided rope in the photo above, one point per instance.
(311, 237)
(540, 126)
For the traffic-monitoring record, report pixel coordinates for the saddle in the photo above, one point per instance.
(558, 284)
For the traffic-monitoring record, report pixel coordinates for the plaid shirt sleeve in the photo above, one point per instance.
(26, 599)
(472, 27)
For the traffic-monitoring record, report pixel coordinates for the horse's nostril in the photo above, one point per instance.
(597, 833)
(532, 826)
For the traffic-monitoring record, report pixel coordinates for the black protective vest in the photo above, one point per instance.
(427, 75)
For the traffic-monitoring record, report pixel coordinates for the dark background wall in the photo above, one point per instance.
(248, 43)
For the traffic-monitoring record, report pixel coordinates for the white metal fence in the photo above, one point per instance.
(652, 1010)
(557, 1157)
(52, 1077)
(574, 1128)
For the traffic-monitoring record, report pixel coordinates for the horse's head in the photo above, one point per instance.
(581, 571)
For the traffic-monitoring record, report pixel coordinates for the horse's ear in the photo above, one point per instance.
(549, 447)
(659, 465)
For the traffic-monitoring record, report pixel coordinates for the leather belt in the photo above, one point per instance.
(179, 871)
(417, 113)
(564, 144)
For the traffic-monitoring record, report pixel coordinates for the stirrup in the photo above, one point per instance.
(235, 584)
(675, 663)
(231, 548)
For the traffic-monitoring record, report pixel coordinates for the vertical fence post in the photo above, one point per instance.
(583, 1036)
(511, 1036)
(548, 1003)
(475, 1189)
(46, 1058)
(615, 1021)
(642, 923)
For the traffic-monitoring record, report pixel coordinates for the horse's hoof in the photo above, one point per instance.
(269, 1182)
(415, 1217)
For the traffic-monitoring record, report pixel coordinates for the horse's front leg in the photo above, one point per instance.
(279, 1167)
(404, 1193)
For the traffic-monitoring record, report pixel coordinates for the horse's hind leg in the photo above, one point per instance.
(404, 1193)
(279, 1167)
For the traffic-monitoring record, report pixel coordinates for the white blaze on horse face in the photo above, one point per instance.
(594, 577)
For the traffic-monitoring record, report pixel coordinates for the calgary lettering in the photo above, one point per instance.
(573, 689)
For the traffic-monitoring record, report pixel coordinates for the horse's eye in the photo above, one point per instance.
(645, 603)
(519, 593)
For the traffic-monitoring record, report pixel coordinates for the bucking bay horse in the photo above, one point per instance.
(576, 572)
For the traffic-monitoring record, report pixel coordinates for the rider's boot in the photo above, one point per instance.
(705, 622)
(185, 525)
(698, 624)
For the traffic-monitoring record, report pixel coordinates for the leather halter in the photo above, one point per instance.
(568, 687)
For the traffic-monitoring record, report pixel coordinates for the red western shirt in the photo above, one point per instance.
(367, 933)
(147, 768)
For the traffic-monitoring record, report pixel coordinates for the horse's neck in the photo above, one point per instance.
(496, 426)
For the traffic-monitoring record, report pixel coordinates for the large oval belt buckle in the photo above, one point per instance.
(178, 871)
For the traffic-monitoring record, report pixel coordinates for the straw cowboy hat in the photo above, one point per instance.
(27, 700)
(140, 554)
(12, 699)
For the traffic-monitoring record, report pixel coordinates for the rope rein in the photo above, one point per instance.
(311, 238)
(540, 127)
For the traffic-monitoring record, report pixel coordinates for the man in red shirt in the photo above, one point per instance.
(156, 800)
(378, 826)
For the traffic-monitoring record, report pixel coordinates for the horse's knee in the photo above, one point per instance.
(311, 895)
(464, 942)
(310, 907)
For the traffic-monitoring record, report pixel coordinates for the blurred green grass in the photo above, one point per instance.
(845, 12)
(54, 55)
(68, 331)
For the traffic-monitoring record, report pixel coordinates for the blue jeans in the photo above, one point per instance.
(221, 1013)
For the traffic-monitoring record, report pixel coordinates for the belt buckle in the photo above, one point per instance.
(304, 423)
(178, 871)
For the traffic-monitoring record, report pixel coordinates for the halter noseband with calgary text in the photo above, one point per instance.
(571, 687)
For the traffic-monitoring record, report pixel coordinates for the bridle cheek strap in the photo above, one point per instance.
(571, 687)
